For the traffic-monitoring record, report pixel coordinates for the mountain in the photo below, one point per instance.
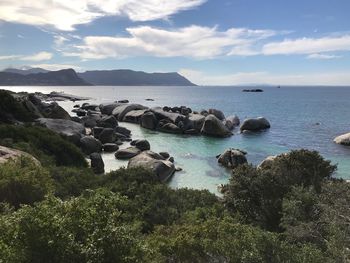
(26, 71)
(125, 77)
(65, 77)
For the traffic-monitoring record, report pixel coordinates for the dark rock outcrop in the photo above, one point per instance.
(214, 127)
(97, 163)
(127, 153)
(232, 158)
(90, 145)
(257, 124)
(143, 145)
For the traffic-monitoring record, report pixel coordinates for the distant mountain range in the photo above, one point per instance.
(68, 77)
(64, 77)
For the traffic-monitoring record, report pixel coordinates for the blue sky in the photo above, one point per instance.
(223, 42)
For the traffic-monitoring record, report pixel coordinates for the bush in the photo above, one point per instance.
(72, 181)
(42, 143)
(22, 181)
(12, 110)
(90, 228)
(257, 193)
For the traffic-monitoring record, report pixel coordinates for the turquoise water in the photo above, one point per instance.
(294, 113)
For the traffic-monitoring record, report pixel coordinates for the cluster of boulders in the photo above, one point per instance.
(232, 158)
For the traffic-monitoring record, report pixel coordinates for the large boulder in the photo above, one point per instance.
(120, 111)
(163, 169)
(133, 116)
(232, 158)
(214, 127)
(123, 130)
(71, 129)
(90, 145)
(107, 135)
(217, 113)
(110, 147)
(197, 121)
(143, 145)
(172, 116)
(97, 163)
(149, 121)
(107, 122)
(343, 139)
(256, 124)
(267, 162)
(7, 154)
(54, 111)
(107, 108)
(170, 128)
(127, 153)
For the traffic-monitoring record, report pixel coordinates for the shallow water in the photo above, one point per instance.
(301, 117)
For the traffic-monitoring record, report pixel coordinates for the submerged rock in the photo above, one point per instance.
(163, 169)
(343, 139)
(232, 158)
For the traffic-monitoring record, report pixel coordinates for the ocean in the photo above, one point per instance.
(300, 117)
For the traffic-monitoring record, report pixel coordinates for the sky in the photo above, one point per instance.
(211, 42)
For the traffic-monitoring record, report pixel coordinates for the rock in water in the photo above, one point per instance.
(127, 153)
(108, 122)
(90, 145)
(231, 122)
(107, 135)
(120, 111)
(232, 158)
(149, 160)
(214, 127)
(343, 139)
(143, 145)
(149, 121)
(217, 113)
(110, 147)
(257, 124)
(97, 163)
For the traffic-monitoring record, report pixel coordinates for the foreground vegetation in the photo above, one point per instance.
(291, 211)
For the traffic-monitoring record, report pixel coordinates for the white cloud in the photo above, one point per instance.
(193, 41)
(322, 56)
(66, 14)
(55, 66)
(35, 57)
(60, 40)
(38, 56)
(252, 78)
(308, 46)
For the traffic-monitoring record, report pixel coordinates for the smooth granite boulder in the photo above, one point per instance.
(217, 113)
(107, 135)
(256, 124)
(108, 122)
(133, 116)
(169, 128)
(197, 121)
(123, 130)
(90, 145)
(163, 169)
(143, 145)
(120, 111)
(214, 127)
(71, 129)
(232, 158)
(149, 121)
(127, 153)
(343, 139)
(172, 116)
(267, 162)
(110, 147)
(97, 163)
(107, 108)
(7, 154)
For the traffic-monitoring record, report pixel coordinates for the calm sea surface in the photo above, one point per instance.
(300, 117)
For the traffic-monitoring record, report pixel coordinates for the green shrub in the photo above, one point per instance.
(90, 228)
(43, 144)
(257, 193)
(22, 181)
(72, 181)
(11, 109)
